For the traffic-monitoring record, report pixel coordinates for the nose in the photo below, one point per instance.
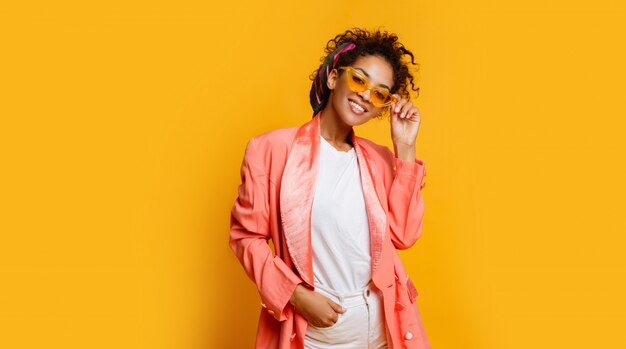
(365, 95)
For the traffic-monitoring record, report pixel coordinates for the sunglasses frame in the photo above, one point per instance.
(369, 86)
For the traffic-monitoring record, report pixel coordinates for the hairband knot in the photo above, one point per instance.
(318, 95)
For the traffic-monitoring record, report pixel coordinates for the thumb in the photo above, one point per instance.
(336, 307)
(393, 115)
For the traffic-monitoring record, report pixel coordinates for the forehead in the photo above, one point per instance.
(378, 69)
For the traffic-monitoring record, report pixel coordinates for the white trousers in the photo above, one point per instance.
(361, 326)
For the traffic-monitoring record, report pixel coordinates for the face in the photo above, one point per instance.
(356, 108)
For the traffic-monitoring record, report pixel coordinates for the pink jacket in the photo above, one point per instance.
(275, 199)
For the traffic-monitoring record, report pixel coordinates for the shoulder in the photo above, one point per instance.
(269, 150)
(273, 139)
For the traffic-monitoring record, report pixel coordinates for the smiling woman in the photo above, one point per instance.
(337, 208)
(345, 48)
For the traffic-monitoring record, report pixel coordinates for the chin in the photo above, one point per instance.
(358, 120)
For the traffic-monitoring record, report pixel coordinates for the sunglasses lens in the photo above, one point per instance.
(381, 98)
(357, 83)
(378, 97)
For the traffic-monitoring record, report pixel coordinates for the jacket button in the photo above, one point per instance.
(271, 312)
(408, 336)
(399, 306)
(293, 336)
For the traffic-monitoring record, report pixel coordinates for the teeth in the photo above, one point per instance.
(357, 106)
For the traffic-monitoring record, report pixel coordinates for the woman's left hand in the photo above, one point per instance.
(405, 122)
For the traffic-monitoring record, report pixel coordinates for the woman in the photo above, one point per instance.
(336, 208)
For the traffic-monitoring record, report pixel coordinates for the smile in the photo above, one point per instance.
(357, 108)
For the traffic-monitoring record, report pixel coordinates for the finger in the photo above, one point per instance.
(411, 113)
(415, 115)
(329, 318)
(397, 97)
(399, 106)
(405, 109)
(336, 307)
(416, 110)
(393, 117)
(334, 319)
(327, 323)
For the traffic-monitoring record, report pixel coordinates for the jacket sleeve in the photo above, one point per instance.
(404, 197)
(249, 235)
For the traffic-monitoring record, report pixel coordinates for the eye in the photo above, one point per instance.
(380, 95)
(357, 79)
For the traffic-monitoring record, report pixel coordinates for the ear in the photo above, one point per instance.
(332, 79)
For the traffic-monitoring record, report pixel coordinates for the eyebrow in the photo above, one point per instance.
(366, 74)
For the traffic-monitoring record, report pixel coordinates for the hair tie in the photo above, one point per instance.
(319, 93)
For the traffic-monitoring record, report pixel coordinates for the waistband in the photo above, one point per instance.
(350, 299)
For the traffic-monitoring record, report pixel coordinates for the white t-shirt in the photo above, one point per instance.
(339, 228)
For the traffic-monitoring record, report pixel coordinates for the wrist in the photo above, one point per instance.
(294, 295)
(405, 151)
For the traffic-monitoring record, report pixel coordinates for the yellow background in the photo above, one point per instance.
(123, 127)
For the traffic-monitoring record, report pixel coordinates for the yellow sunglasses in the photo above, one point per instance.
(358, 82)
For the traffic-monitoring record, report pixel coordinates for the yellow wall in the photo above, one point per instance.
(123, 128)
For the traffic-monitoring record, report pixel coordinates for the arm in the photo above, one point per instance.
(406, 205)
(249, 235)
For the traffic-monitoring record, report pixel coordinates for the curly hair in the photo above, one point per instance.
(377, 42)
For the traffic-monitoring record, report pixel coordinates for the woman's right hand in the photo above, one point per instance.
(317, 309)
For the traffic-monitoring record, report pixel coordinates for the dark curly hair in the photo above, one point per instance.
(377, 42)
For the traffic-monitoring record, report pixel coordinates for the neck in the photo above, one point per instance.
(332, 128)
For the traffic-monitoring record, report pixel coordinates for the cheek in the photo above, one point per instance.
(338, 95)
(340, 90)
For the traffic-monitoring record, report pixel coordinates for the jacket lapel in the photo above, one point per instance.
(298, 190)
(296, 196)
(376, 216)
